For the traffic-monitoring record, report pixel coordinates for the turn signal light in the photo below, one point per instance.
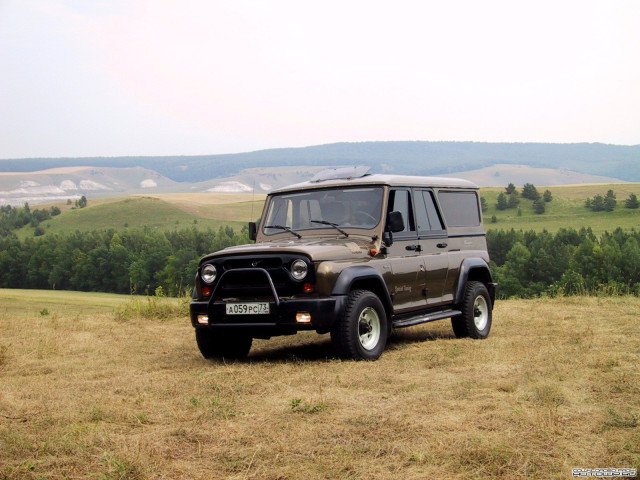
(206, 291)
(307, 288)
(303, 317)
(204, 319)
(373, 252)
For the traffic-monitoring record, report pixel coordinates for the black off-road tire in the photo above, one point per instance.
(459, 327)
(218, 344)
(476, 317)
(361, 331)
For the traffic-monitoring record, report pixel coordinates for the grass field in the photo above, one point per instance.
(91, 393)
(566, 210)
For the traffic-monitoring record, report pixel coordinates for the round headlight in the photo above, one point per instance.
(299, 269)
(208, 273)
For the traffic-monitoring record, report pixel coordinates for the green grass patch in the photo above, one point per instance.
(566, 210)
(127, 213)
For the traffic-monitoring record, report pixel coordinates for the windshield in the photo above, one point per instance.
(324, 209)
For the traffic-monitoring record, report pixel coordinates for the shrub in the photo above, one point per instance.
(153, 308)
(632, 201)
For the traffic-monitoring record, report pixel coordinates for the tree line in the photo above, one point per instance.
(569, 262)
(608, 203)
(13, 218)
(132, 261)
(525, 264)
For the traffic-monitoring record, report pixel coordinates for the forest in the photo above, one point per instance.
(136, 261)
(526, 264)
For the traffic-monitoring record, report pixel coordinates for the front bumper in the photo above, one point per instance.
(281, 319)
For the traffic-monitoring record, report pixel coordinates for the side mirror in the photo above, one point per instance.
(253, 231)
(395, 222)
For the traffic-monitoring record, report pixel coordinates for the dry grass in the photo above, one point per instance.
(85, 395)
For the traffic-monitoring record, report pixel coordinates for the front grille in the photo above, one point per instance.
(269, 263)
(248, 284)
(253, 285)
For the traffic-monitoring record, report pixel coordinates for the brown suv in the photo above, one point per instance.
(354, 255)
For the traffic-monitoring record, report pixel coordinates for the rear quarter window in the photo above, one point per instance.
(460, 209)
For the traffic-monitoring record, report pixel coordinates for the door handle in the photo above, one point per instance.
(442, 245)
(415, 248)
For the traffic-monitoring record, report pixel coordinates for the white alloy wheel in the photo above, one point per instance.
(480, 312)
(369, 328)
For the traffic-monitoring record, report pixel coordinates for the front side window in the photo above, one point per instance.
(400, 201)
(318, 209)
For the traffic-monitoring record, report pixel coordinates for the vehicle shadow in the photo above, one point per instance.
(418, 335)
(318, 350)
(315, 348)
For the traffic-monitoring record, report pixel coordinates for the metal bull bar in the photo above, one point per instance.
(262, 271)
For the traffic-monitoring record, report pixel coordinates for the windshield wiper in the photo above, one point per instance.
(286, 229)
(334, 225)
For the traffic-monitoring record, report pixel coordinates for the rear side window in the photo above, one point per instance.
(460, 209)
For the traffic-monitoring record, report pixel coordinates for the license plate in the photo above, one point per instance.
(254, 308)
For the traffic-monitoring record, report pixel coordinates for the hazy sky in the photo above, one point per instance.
(162, 77)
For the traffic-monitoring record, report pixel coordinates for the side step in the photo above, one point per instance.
(423, 318)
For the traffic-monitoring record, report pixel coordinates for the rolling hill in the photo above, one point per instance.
(419, 158)
(62, 183)
(167, 213)
(503, 174)
(171, 211)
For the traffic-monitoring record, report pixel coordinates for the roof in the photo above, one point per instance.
(380, 179)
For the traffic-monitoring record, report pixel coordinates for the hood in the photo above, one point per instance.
(318, 249)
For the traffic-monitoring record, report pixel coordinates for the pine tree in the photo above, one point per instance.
(609, 203)
(502, 202)
(510, 189)
(547, 196)
(530, 191)
(538, 206)
(632, 201)
(597, 204)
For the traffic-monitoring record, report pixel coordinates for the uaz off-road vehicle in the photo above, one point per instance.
(353, 255)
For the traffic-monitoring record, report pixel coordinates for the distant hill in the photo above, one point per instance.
(417, 158)
(502, 175)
